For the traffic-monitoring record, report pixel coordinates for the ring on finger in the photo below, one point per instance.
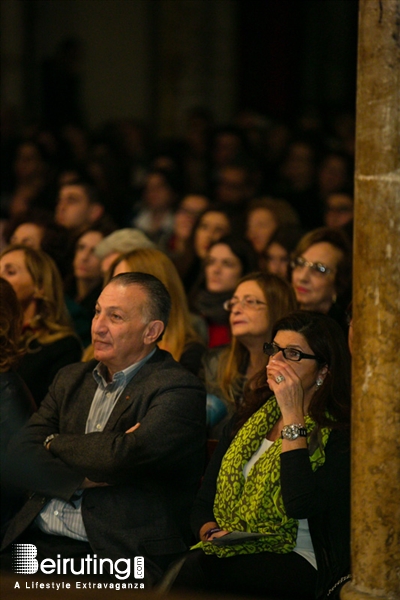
(279, 378)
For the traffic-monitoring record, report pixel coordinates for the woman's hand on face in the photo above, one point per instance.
(288, 389)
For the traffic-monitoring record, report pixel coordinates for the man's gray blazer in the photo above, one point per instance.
(153, 472)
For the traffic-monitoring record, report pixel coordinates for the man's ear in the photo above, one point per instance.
(153, 331)
(96, 211)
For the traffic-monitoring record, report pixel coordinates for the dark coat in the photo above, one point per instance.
(153, 473)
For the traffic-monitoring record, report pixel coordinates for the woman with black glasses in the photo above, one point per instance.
(321, 272)
(272, 515)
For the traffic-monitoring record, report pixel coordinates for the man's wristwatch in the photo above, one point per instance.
(49, 439)
(292, 432)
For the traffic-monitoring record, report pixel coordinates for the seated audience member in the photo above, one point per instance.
(16, 402)
(189, 210)
(155, 214)
(335, 172)
(116, 449)
(83, 287)
(119, 242)
(225, 263)
(180, 338)
(213, 224)
(47, 337)
(297, 182)
(32, 179)
(339, 208)
(233, 186)
(277, 253)
(79, 207)
(37, 229)
(281, 485)
(264, 217)
(321, 273)
(258, 301)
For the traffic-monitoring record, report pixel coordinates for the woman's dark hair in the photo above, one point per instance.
(287, 237)
(330, 404)
(242, 249)
(10, 326)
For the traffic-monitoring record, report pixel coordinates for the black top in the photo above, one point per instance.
(16, 406)
(322, 497)
(191, 357)
(41, 363)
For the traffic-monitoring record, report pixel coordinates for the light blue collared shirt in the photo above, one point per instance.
(65, 518)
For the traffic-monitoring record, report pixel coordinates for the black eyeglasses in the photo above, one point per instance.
(289, 353)
(318, 268)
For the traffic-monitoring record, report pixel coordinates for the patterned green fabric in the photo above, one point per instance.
(255, 504)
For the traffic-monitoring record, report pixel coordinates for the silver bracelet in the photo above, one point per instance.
(342, 580)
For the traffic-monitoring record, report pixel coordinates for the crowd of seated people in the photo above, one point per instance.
(242, 228)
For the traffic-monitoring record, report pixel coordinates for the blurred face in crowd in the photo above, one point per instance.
(188, 212)
(232, 186)
(315, 290)
(332, 174)
(28, 234)
(74, 210)
(28, 162)
(251, 320)
(261, 224)
(299, 165)
(339, 210)
(211, 228)
(223, 269)
(157, 193)
(86, 264)
(277, 260)
(226, 148)
(13, 269)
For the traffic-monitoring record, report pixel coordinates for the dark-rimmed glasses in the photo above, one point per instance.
(271, 349)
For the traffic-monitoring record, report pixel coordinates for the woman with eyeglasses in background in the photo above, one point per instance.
(259, 300)
(273, 512)
(321, 273)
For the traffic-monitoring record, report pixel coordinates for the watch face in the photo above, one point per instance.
(290, 432)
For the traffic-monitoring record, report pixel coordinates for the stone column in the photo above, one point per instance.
(376, 309)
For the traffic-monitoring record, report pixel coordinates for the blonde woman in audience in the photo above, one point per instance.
(47, 336)
(180, 337)
(259, 300)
